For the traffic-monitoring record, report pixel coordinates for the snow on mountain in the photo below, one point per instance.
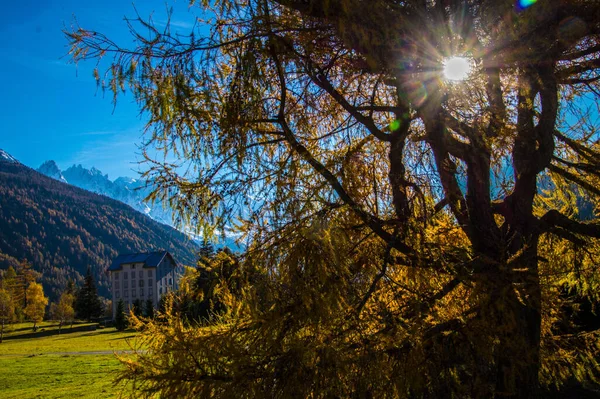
(50, 169)
(132, 192)
(5, 156)
(125, 189)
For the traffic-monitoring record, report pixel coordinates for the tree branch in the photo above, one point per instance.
(575, 179)
(554, 218)
(321, 80)
(373, 222)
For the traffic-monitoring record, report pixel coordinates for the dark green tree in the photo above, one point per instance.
(7, 311)
(138, 307)
(207, 250)
(70, 288)
(120, 319)
(149, 309)
(88, 304)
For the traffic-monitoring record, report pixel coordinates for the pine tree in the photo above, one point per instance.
(71, 288)
(138, 307)
(120, 320)
(88, 305)
(149, 309)
(206, 252)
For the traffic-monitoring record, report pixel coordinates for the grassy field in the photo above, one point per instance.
(75, 364)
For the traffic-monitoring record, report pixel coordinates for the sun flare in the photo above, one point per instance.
(457, 68)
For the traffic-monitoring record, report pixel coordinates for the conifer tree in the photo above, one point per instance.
(88, 304)
(16, 287)
(138, 307)
(71, 289)
(7, 310)
(120, 319)
(413, 231)
(149, 309)
(206, 252)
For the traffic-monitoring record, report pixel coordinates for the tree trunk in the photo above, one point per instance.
(518, 325)
(2, 332)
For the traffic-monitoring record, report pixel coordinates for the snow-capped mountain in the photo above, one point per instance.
(5, 156)
(50, 169)
(124, 189)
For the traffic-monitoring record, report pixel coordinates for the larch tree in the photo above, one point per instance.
(7, 310)
(415, 233)
(63, 311)
(16, 283)
(36, 303)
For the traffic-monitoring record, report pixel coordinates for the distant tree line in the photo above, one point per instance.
(22, 298)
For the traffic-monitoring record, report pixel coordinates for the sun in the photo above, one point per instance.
(457, 68)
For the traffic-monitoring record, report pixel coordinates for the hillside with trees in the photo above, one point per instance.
(62, 230)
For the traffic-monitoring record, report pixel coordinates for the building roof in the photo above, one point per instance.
(149, 259)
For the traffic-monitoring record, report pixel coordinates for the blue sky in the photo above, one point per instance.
(51, 109)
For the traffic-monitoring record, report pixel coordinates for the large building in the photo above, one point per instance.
(143, 276)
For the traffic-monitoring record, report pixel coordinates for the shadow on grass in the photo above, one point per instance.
(98, 332)
(42, 332)
(127, 337)
(14, 330)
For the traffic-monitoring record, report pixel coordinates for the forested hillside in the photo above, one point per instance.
(61, 229)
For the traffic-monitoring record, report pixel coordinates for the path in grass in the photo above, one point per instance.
(77, 364)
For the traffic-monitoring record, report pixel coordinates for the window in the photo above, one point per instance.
(125, 275)
(141, 283)
(170, 281)
(149, 282)
(141, 274)
(160, 291)
(117, 294)
(126, 294)
(133, 293)
(150, 291)
(141, 292)
(116, 285)
(116, 275)
(133, 265)
(149, 273)
(125, 284)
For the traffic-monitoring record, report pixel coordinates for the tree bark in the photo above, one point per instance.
(516, 324)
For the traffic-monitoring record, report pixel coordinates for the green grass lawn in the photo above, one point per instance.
(44, 365)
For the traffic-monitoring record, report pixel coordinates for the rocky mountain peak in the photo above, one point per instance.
(50, 169)
(6, 157)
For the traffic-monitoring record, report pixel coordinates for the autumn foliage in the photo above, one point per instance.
(407, 236)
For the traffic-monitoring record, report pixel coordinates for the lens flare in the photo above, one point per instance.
(457, 68)
(395, 125)
(524, 4)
